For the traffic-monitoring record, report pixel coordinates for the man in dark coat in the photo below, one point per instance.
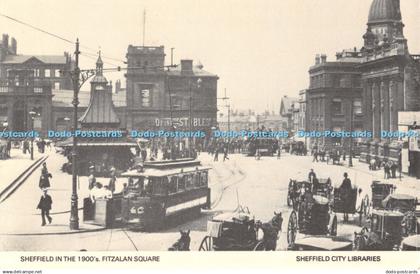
(345, 189)
(45, 206)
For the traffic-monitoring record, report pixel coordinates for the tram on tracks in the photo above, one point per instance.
(159, 190)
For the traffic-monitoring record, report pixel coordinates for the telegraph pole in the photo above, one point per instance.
(74, 218)
(351, 134)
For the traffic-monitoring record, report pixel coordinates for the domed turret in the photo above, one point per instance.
(384, 11)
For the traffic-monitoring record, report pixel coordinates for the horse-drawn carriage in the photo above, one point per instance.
(296, 188)
(312, 217)
(395, 220)
(322, 187)
(239, 231)
(384, 233)
(379, 192)
(298, 148)
(406, 204)
(346, 201)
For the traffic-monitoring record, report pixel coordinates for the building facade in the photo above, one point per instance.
(333, 89)
(367, 86)
(27, 84)
(160, 97)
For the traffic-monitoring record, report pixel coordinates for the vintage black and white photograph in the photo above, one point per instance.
(198, 125)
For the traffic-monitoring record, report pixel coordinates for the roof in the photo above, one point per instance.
(388, 213)
(101, 109)
(287, 104)
(324, 243)
(64, 98)
(413, 241)
(233, 217)
(197, 71)
(154, 172)
(85, 142)
(384, 10)
(47, 59)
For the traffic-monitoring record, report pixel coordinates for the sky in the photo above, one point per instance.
(260, 49)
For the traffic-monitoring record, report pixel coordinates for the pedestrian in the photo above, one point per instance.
(345, 189)
(394, 169)
(92, 178)
(386, 170)
(315, 156)
(44, 180)
(143, 154)
(226, 151)
(112, 181)
(45, 206)
(279, 151)
(216, 154)
(311, 175)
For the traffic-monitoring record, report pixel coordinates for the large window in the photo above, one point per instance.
(145, 97)
(357, 106)
(47, 73)
(337, 106)
(145, 94)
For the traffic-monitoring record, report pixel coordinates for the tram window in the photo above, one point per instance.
(189, 181)
(203, 179)
(196, 179)
(181, 183)
(159, 186)
(172, 187)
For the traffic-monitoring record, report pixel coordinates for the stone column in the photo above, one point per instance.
(367, 103)
(376, 114)
(391, 96)
(385, 106)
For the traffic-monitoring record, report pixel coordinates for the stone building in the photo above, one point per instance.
(334, 87)
(158, 97)
(377, 82)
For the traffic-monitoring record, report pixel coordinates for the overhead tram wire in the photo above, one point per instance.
(57, 36)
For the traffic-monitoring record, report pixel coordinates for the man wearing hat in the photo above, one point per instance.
(45, 206)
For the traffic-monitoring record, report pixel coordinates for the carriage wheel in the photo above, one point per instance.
(292, 229)
(260, 246)
(206, 244)
(333, 229)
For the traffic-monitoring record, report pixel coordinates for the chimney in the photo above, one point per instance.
(317, 60)
(186, 66)
(5, 41)
(323, 58)
(14, 46)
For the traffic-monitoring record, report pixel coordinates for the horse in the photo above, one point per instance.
(271, 231)
(183, 243)
(367, 241)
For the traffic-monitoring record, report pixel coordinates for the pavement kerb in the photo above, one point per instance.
(15, 184)
(55, 233)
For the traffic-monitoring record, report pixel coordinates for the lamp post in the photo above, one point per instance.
(32, 114)
(74, 214)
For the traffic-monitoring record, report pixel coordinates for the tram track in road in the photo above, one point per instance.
(227, 186)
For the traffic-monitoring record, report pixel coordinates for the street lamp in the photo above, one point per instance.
(32, 114)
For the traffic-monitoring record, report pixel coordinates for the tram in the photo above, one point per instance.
(159, 190)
